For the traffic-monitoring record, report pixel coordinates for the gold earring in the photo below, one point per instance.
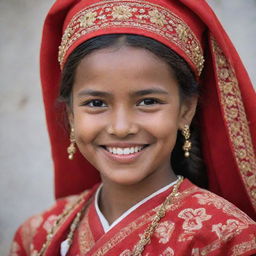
(187, 144)
(72, 148)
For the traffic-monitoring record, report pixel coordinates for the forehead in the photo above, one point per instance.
(123, 65)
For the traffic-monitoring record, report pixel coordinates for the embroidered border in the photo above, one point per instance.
(237, 123)
(85, 236)
(133, 14)
(141, 221)
(241, 249)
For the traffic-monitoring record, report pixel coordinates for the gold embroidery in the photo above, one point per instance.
(208, 198)
(164, 231)
(88, 19)
(193, 218)
(168, 252)
(236, 120)
(86, 240)
(135, 14)
(121, 12)
(141, 221)
(218, 243)
(28, 231)
(157, 18)
(126, 231)
(59, 221)
(228, 230)
(241, 249)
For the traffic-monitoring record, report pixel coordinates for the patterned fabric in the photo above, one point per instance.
(197, 223)
(190, 28)
(142, 15)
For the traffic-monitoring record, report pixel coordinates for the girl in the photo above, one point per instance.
(155, 96)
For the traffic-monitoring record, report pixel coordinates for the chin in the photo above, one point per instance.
(123, 178)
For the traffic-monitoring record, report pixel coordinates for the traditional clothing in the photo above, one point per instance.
(197, 222)
(227, 117)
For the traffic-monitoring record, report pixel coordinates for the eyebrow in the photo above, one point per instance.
(149, 91)
(90, 92)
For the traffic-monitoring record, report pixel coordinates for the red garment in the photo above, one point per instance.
(228, 102)
(197, 222)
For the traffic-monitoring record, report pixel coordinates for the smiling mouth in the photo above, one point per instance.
(124, 150)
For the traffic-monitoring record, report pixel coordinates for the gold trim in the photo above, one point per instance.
(62, 217)
(242, 248)
(236, 121)
(142, 221)
(131, 14)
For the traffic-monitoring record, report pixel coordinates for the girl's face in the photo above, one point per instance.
(126, 112)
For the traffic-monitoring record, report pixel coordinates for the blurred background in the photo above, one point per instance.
(26, 177)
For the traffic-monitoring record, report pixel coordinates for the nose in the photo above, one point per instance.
(122, 123)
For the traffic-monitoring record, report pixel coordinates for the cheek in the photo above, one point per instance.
(87, 127)
(162, 125)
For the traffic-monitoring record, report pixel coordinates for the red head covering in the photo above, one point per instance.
(228, 105)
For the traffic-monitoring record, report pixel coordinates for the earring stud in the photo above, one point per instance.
(187, 144)
(72, 148)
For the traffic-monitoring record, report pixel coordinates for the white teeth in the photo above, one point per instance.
(124, 151)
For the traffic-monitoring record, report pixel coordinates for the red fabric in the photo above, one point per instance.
(197, 223)
(229, 176)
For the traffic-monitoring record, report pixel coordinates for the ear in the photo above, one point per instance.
(187, 111)
(70, 115)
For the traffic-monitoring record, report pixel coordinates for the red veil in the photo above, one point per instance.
(228, 100)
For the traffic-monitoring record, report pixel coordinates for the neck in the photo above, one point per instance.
(115, 199)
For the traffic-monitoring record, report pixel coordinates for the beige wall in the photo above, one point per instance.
(25, 165)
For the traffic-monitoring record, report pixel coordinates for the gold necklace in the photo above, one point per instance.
(145, 238)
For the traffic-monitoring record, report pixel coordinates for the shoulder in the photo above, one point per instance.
(40, 224)
(213, 223)
(215, 206)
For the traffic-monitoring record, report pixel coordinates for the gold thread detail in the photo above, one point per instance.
(60, 220)
(140, 15)
(146, 237)
(236, 120)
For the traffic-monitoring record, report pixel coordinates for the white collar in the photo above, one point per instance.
(103, 220)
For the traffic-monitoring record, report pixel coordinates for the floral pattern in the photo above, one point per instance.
(135, 14)
(168, 252)
(157, 18)
(183, 33)
(164, 231)
(29, 230)
(243, 152)
(121, 12)
(88, 19)
(49, 222)
(226, 231)
(193, 218)
(177, 234)
(222, 204)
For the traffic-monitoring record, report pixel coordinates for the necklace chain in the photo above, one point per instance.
(145, 238)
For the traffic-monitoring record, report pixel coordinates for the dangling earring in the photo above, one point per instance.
(72, 148)
(187, 144)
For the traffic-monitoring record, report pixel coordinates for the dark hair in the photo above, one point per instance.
(193, 167)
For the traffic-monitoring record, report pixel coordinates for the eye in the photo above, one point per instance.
(95, 104)
(148, 102)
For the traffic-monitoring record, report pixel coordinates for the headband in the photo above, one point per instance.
(151, 19)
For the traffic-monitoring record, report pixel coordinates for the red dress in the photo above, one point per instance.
(197, 222)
